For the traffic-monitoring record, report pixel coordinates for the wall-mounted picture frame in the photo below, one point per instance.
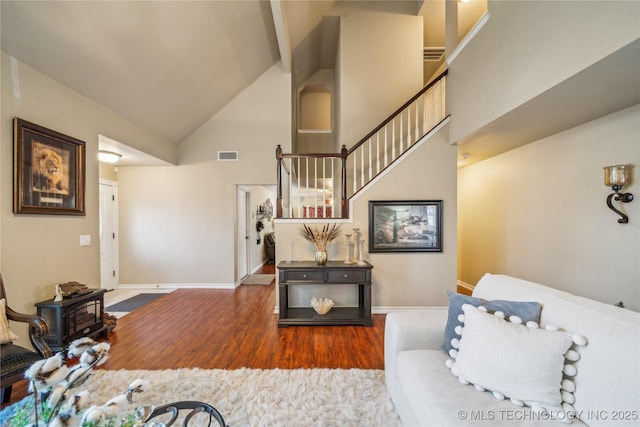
(48, 171)
(405, 226)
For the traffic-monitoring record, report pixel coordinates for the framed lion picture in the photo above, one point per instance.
(48, 171)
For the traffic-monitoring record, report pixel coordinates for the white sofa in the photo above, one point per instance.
(426, 393)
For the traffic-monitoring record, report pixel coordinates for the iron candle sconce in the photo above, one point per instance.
(616, 177)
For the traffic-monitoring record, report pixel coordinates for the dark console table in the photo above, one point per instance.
(332, 273)
(73, 317)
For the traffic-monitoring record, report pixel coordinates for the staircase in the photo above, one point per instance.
(307, 182)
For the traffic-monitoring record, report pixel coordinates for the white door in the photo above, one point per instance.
(242, 255)
(108, 235)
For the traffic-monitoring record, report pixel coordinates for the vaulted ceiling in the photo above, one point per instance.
(169, 66)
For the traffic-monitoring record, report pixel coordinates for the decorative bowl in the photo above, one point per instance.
(322, 305)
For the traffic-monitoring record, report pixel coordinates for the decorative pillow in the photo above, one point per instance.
(522, 363)
(526, 311)
(6, 335)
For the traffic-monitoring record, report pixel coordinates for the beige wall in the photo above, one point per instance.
(38, 251)
(107, 171)
(582, 32)
(177, 224)
(399, 279)
(380, 68)
(539, 212)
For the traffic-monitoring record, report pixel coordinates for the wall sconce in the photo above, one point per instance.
(616, 177)
(108, 156)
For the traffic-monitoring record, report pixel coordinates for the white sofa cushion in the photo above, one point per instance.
(436, 398)
(608, 380)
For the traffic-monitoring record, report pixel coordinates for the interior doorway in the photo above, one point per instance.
(254, 221)
(108, 200)
(243, 197)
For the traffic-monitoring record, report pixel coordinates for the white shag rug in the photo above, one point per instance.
(273, 397)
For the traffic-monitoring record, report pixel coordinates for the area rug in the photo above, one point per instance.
(272, 397)
(132, 303)
(258, 279)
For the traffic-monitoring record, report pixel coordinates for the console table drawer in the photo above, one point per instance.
(346, 276)
(304, 276)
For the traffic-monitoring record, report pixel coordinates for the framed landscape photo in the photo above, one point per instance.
(405, 226)
(48, 171)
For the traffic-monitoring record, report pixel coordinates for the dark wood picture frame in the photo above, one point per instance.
(405, 226)
(48, 171)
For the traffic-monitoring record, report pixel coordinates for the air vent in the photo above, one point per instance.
(433, 53)
(227, 156)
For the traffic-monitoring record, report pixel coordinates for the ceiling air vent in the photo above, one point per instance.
(433, 53)
(227, 156)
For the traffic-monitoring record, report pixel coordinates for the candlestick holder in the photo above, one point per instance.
(349, 259)
(361, 253)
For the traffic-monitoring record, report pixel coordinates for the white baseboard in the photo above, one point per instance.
(385, 310)
(253, 271)
(177, 286)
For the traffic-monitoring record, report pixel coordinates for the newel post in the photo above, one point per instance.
(345, 201)
(279, 182)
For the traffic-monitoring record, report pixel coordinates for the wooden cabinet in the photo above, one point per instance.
(300, 273)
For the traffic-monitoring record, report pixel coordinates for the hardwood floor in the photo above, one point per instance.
(230, 329)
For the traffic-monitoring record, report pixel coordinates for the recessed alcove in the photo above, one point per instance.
(314, 109)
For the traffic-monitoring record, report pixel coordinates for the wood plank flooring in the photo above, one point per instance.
(230, 329)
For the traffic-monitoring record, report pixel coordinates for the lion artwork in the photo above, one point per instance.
(48, 171)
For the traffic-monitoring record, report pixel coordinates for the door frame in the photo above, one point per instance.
(243, 232)
(116, 267)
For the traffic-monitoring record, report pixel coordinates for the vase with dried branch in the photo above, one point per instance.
(320, 238)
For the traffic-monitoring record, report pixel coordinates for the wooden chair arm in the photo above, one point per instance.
(38, 329)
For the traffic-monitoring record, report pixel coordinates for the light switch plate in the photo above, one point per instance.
(85, 240)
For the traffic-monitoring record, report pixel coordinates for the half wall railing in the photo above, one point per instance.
(307, 182)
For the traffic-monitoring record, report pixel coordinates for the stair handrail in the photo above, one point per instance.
(398, 111)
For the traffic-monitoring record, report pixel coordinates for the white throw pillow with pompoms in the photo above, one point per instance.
(523, 363)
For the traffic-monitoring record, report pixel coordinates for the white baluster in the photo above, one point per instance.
(324, 187)
(393, 139)
(307, 186)
(401, 148)
(315, 186)
(355, 173)
(362, 166)
(333, 193)
(433, 109)
(417, 129)
(377, 152)
(370, 163)
(408, 126)
(424, 113)
(299, 198)
(386, 147)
